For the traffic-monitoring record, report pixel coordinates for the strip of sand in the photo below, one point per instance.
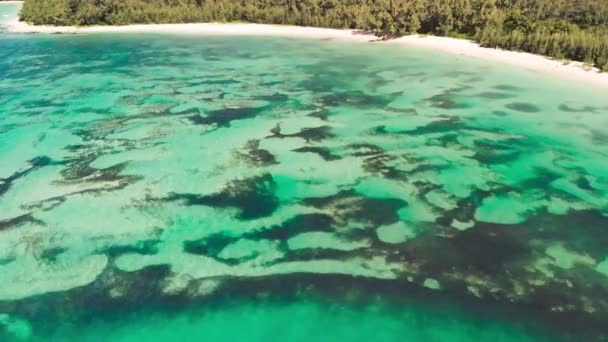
(199, 29)
(575, 71)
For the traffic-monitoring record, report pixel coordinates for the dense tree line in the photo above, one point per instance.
(568, 29)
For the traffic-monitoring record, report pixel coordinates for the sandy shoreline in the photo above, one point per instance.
(575, 71)
(571, 70)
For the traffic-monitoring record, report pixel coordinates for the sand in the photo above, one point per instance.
(575, 71)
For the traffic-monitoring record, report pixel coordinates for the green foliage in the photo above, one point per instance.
(576, 30)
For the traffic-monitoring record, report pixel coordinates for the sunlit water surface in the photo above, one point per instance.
(157, 188)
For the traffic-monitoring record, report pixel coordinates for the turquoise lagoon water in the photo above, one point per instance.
(157, 187)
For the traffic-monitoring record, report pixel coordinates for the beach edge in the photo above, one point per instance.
(572, 70)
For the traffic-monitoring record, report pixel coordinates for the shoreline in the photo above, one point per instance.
(575, 71)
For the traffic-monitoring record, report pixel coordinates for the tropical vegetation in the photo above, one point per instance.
(563, 29)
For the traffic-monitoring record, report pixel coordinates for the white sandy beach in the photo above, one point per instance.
(575, 71)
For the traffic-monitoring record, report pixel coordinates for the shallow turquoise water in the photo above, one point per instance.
(229, 188)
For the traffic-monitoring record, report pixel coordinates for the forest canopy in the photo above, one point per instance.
(563, 29)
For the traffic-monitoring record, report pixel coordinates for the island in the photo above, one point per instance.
(569, 30)
(302, 171)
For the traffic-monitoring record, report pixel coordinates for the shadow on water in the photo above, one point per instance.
(296, 308)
